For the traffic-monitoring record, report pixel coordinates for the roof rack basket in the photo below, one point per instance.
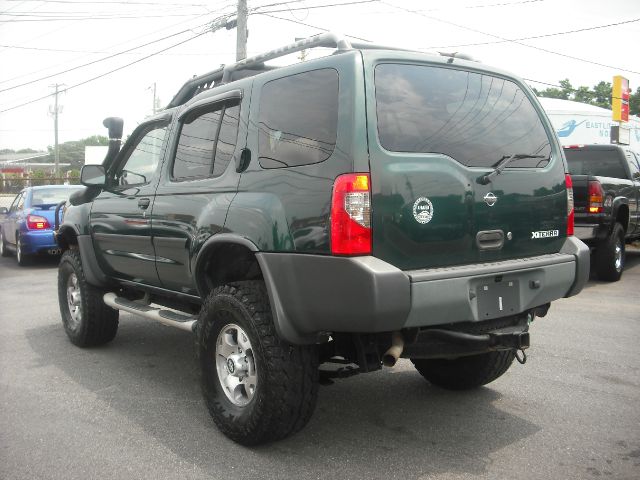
(224, 74)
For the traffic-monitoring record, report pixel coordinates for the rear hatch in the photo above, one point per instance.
(434, 131)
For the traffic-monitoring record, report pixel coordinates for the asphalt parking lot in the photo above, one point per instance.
(133, 409)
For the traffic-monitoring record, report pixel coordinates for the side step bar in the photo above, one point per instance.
(171, 318)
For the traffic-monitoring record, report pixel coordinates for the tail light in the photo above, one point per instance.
(351, 215)
(36, 222)
(596, 196)
(570, 211)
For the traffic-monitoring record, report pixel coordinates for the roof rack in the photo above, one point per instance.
(254, 65)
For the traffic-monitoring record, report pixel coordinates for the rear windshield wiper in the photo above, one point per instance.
(502, 163)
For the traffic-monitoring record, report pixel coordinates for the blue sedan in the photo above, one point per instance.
(27, 227)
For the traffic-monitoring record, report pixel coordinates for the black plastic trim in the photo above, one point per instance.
(313, 294)
(212, 242)
(92, 271)
(580, 251)
(207, 101)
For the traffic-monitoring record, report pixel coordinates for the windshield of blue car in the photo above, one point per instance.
(46, 197)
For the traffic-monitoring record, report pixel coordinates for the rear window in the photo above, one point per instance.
(52, 196)
(474, 118)
(601, 163)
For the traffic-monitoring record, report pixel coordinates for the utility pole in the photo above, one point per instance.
(154, 98)
(54, 112)
(241, 38)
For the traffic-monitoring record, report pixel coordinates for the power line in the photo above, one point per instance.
(490, 5)
(164, 29)
(108, 2)
(416, 12)
(306, 24)
(310, 7)
(96, 61)
(115, 17)
(586, 29)
(101, 52)
(107, 73)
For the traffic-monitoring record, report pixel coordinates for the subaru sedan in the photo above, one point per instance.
(26, 228)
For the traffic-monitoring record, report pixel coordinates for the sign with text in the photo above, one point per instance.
(620, 99)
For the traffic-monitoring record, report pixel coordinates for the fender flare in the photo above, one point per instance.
(617, 203)
(210, 244)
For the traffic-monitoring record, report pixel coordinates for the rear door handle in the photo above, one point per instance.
(144, 203)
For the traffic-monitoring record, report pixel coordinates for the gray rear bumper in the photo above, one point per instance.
(313, 294)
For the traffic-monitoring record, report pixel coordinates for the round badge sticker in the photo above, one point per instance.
(423, 210)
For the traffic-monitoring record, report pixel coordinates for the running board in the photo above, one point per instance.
(171, 318)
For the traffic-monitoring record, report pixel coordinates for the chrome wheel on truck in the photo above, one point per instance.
(258, 388)
(609, 255)
(87, 320)
(236, 365)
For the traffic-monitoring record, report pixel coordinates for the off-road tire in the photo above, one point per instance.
(3, 246)
(98, 323)
(287, 375)
(609, 255)
(465, 373)
(22, 258)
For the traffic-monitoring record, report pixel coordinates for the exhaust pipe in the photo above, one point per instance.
(392, 355)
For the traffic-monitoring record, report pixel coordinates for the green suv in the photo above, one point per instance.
(326, 218)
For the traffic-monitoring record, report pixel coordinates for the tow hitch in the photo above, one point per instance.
(439, 343)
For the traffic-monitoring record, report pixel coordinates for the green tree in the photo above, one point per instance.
(599, 95)
(602, 95)
(563, 93)
(634, 102)
(73, 152)
(583, 95)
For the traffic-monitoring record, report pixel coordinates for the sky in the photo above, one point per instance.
(86, 47)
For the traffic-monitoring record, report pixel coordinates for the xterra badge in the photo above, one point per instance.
(423, 210)
(545, 234)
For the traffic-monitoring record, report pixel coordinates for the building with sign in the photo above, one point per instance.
(580, 123)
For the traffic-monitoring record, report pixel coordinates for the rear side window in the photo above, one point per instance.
(633, 164)
(207, 142)
(298, 119)
(601, 163)
(474, 118)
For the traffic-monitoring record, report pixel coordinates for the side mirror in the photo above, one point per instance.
(93, 176)
(4, 210)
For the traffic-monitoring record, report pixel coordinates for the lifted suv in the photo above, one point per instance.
(326, 218)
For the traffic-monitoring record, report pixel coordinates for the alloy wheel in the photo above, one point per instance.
(236, 366)
(74, 301)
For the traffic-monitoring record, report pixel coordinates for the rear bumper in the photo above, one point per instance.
(312, 294)
(586, 232)
(33, 241)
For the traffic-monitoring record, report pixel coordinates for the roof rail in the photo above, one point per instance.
(460, 55)
(224, 74)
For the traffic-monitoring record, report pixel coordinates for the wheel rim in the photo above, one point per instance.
(618, 256)
(1, 243)
(74, 300)
(236, 366)
(18, 250)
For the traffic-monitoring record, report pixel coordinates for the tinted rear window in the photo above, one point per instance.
(298, 119)
(601, 163)
(52, 196)
(474, 118)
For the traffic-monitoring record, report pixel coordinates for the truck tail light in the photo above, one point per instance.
(36, 222)
(596, 196)
(351, 215)
(570, 210)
